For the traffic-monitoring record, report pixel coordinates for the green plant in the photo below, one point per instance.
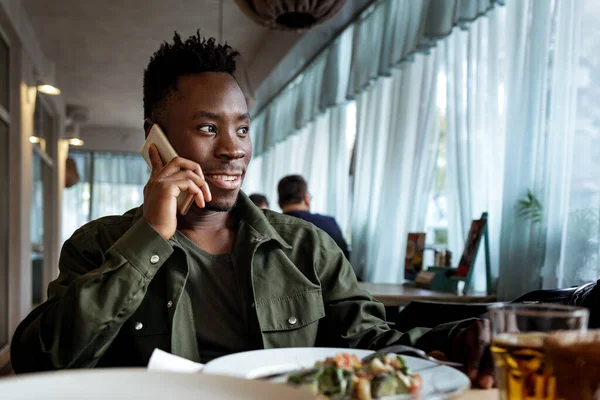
(530, 208)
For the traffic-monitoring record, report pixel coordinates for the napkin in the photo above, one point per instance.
(162, 361)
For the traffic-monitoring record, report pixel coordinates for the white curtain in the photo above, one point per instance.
(110, 184)
(510, 128)
(542, 55)
(118, 182)
(475, 133)
(581, 244)
(319, 153)
(396, 146)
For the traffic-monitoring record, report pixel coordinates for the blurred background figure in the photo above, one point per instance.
(294, 200)
(260, 200)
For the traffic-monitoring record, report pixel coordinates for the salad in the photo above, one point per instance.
(345, 377)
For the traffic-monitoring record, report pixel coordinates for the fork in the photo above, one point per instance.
(407, 350)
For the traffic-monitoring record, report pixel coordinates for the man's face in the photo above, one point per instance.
(207, 121)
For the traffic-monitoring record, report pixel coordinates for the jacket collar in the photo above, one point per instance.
(260, 230)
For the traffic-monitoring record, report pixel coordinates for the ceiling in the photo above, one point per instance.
(101, 48)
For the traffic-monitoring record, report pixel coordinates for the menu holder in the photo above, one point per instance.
(446, 279)
(413, 261)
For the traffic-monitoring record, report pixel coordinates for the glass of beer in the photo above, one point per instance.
(518, 333)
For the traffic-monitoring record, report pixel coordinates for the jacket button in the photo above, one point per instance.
(169, 304)
(138, 326)
(292, 320)
(154, 259)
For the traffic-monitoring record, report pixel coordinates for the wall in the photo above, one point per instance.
(28, 60)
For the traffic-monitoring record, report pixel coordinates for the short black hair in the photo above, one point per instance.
(259, 199)
(174, 60)
(291, 190)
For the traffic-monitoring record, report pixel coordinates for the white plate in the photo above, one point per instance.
(439, 382)
(137, 383)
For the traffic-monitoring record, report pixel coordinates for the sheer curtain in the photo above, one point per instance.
(118, 183)
(542, 54)
(110, 184)
(319, 153)
(396, 145)
(475, 134)
(581, 245)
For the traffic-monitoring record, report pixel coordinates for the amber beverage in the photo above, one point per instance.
(518, 334)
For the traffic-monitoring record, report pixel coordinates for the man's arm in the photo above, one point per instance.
(354, 319)
(88, 303)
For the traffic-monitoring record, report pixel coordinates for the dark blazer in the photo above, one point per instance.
(326, 223)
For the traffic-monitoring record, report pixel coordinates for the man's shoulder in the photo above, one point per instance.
(288, 222)
(325, 217)
(296, 231)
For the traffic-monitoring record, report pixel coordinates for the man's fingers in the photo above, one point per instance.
(486, 378)
(478, 339)
(188, 185)
(205, 189)
(155, 160)
(180, 164)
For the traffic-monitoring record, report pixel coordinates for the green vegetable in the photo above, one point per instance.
(335, 381)
(403, 383)
(384, 385)
(404, 368)
(307, 379)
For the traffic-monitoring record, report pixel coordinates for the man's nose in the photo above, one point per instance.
(230, 146)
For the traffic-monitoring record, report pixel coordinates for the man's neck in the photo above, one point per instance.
(205, 220)
(212, 231)
(295, 207)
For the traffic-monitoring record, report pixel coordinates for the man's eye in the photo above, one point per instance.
(207, 128)
(243, 131)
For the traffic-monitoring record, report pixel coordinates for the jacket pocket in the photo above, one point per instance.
(291, 312)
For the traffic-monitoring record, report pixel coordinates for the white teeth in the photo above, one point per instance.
(224, 177)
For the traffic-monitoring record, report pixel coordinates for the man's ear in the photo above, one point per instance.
(147, 126)
(307, 199)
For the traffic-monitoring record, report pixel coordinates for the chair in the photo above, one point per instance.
(428, 314)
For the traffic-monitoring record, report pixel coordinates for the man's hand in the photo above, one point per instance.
(165, 184)
(471, 347)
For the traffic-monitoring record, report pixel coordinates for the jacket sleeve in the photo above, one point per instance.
(94, 294)
(355, 319)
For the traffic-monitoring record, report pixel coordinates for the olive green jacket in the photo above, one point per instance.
(120, 294)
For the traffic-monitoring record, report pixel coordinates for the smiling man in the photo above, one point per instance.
(224, 278)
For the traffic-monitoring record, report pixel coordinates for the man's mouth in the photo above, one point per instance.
(224, 181)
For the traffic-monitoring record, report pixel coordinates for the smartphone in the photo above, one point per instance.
(158, 138)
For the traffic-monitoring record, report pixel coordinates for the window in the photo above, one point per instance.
(4, 75)
(110, 184)
(42, 167)
(581, 246)
(4, 190)
(436, 220)
(4, 187)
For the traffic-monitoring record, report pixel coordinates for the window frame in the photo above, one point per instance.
(6, 118)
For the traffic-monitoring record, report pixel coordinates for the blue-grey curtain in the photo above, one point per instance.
(387, 34)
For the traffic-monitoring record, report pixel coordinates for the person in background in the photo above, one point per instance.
(294, 200)
(260, 201)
